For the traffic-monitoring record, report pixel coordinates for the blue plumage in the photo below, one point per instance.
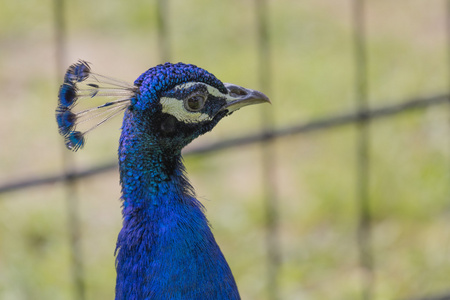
(66, 120)
(67, 95)
(77, 72)
(75, 140)
(165, 249)
(165, 77)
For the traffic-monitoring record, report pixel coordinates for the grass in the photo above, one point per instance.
(313, 76)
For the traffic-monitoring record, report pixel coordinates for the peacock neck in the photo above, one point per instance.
(165, 249)
(148, 168)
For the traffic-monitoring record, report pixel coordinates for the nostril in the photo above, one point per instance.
(235, 92)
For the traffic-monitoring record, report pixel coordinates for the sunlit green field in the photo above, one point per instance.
(313, 75)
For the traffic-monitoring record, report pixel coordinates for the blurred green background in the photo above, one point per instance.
(313, 76)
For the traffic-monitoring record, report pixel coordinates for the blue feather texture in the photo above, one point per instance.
(166, 249)
(164, 77)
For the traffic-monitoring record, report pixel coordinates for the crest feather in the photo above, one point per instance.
(82, 87)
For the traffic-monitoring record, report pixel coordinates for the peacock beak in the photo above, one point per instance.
(239, 97)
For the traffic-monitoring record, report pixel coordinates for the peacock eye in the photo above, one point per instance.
(195, 102)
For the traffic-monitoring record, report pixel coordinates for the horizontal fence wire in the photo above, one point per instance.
(439, 297)
(315, 125)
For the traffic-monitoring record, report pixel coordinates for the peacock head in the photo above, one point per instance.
(173, 102)
(181, 101)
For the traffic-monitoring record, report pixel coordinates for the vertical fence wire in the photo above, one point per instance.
(162, 15)
(447, 27)
(268, 155)
(70, 191)
(364, 230)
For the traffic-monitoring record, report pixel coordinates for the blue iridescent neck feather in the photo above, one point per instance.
(165, 249)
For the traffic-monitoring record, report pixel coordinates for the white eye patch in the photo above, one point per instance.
(176, 108)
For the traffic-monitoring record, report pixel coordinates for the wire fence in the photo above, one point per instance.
(361, 117)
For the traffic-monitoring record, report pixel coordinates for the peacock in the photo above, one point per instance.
(165, 249)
